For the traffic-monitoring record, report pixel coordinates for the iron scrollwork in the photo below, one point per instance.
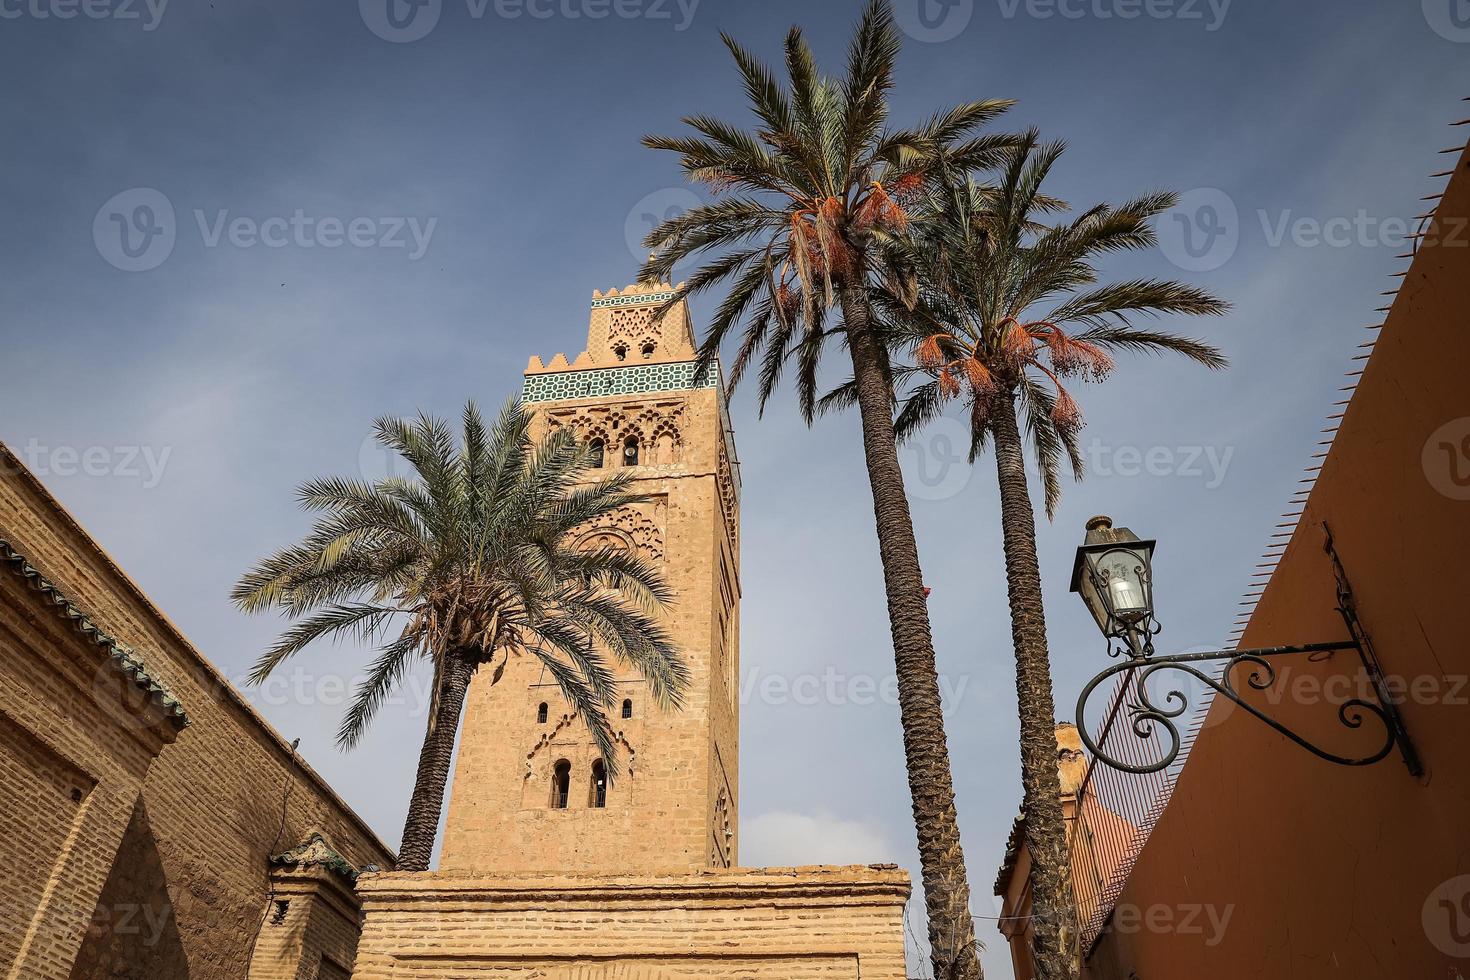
(1154, 720)
(1151, 717)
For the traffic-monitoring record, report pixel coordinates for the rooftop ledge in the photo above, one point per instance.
(874, 883)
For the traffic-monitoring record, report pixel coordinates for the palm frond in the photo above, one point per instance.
(1156, 342)
(471, 554)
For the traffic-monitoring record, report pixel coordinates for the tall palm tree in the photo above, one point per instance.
(1010, 308)
(470, 562)
(805, 204)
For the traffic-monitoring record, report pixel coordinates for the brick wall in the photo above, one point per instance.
(311, 928)
(205, 812)
(773, 924)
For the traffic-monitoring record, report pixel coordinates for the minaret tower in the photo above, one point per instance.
(528, 795)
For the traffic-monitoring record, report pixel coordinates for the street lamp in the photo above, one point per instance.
(1113, 573)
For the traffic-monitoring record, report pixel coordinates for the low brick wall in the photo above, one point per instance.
(819, 923)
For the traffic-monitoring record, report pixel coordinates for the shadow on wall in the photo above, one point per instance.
(133, 934)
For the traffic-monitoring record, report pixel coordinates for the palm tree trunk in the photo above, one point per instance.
(926, 752)
(435, 758)
(1046, 833)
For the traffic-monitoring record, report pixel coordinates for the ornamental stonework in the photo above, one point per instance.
(656, 427)
(631, 525)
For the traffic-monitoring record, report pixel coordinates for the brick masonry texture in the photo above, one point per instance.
(645, 887)
(674, 806)
(130, 849)
(772, 924)
(133, 847)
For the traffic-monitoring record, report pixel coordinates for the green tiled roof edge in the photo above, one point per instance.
(122, 656)
(299, 856)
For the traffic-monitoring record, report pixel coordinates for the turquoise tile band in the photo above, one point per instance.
(635, 379)
(632, 299)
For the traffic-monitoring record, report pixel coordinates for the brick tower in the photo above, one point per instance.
(528, 793)
(546, 872)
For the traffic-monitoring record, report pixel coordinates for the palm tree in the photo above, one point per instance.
(467, 564)
(1009, 309)
(805, 204)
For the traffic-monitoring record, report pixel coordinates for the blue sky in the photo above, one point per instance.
(329, 221)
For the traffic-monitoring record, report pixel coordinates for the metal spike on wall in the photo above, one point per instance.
(1280, 539)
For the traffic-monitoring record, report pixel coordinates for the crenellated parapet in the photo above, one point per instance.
(623, 331)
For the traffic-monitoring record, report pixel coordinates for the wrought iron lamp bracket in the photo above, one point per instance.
(1149, 716)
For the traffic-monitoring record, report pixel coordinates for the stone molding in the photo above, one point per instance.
(804, 887)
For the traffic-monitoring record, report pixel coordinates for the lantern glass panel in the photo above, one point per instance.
(1122, 578)
(1087, 588)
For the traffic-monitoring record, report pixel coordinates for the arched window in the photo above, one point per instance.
(620, 351)
(541, 714)
(598, 799)
(561, 784)
(647, 349)
(663, 449)
(628, 709)
(596, 447)
(630, 451)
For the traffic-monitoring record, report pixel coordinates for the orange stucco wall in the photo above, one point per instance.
(1268, 862)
